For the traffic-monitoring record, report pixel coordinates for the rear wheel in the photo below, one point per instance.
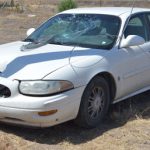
(94, 103)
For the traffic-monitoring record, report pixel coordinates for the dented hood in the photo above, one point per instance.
(32, 63)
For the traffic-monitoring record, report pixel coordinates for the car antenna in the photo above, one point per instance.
(133, 4)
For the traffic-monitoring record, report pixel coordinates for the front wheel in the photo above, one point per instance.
(94, 103)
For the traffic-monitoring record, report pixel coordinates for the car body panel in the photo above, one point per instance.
(17, 64)
(116, 11)
(24, 110)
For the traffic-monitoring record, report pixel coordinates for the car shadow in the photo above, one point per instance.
(119, 114)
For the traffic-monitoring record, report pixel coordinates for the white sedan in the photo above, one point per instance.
(74, 66)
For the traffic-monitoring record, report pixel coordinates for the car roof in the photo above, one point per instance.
(117, 11)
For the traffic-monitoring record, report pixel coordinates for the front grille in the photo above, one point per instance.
(4, 91)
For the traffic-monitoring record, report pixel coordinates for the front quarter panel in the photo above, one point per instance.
(88, 62)
(81, 61)
(95, 62)
(86, 57)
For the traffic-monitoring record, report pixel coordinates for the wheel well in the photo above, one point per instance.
(111, 82)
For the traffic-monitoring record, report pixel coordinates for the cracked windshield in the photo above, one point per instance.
(85, 30)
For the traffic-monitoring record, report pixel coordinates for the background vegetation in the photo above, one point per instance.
(66, 4)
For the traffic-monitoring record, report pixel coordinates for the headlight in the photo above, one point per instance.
(44, 88)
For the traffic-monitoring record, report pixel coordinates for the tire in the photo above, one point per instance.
(94, 103)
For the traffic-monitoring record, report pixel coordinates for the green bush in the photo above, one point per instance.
(12, 3)
(66, 4)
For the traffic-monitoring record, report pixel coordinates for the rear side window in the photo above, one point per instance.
(136, 26)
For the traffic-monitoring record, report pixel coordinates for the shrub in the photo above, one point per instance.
(66, 4)
(19, 8)
(12, 3)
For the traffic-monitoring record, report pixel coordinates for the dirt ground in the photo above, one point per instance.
(126, 127)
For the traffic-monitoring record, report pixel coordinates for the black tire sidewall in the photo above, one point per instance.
(85, 119)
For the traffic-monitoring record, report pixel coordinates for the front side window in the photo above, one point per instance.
(136, 26)
(86, 30)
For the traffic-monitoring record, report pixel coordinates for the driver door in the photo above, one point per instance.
(136, 64)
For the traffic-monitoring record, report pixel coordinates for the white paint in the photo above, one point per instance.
(132, 40)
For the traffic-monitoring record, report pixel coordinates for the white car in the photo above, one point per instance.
(74, 66)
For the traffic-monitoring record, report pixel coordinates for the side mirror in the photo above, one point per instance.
(132, 40)
(30, 31)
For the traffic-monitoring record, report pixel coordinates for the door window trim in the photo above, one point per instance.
(144, 21)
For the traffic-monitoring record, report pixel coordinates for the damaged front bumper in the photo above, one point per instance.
(24, 110)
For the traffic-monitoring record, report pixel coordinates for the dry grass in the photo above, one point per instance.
(126, 127)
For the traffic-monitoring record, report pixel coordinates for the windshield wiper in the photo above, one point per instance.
(55, 42)
(30, 40)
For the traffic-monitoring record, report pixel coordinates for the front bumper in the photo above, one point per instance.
(23, 110)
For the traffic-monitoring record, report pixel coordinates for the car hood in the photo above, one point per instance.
(32, 63)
